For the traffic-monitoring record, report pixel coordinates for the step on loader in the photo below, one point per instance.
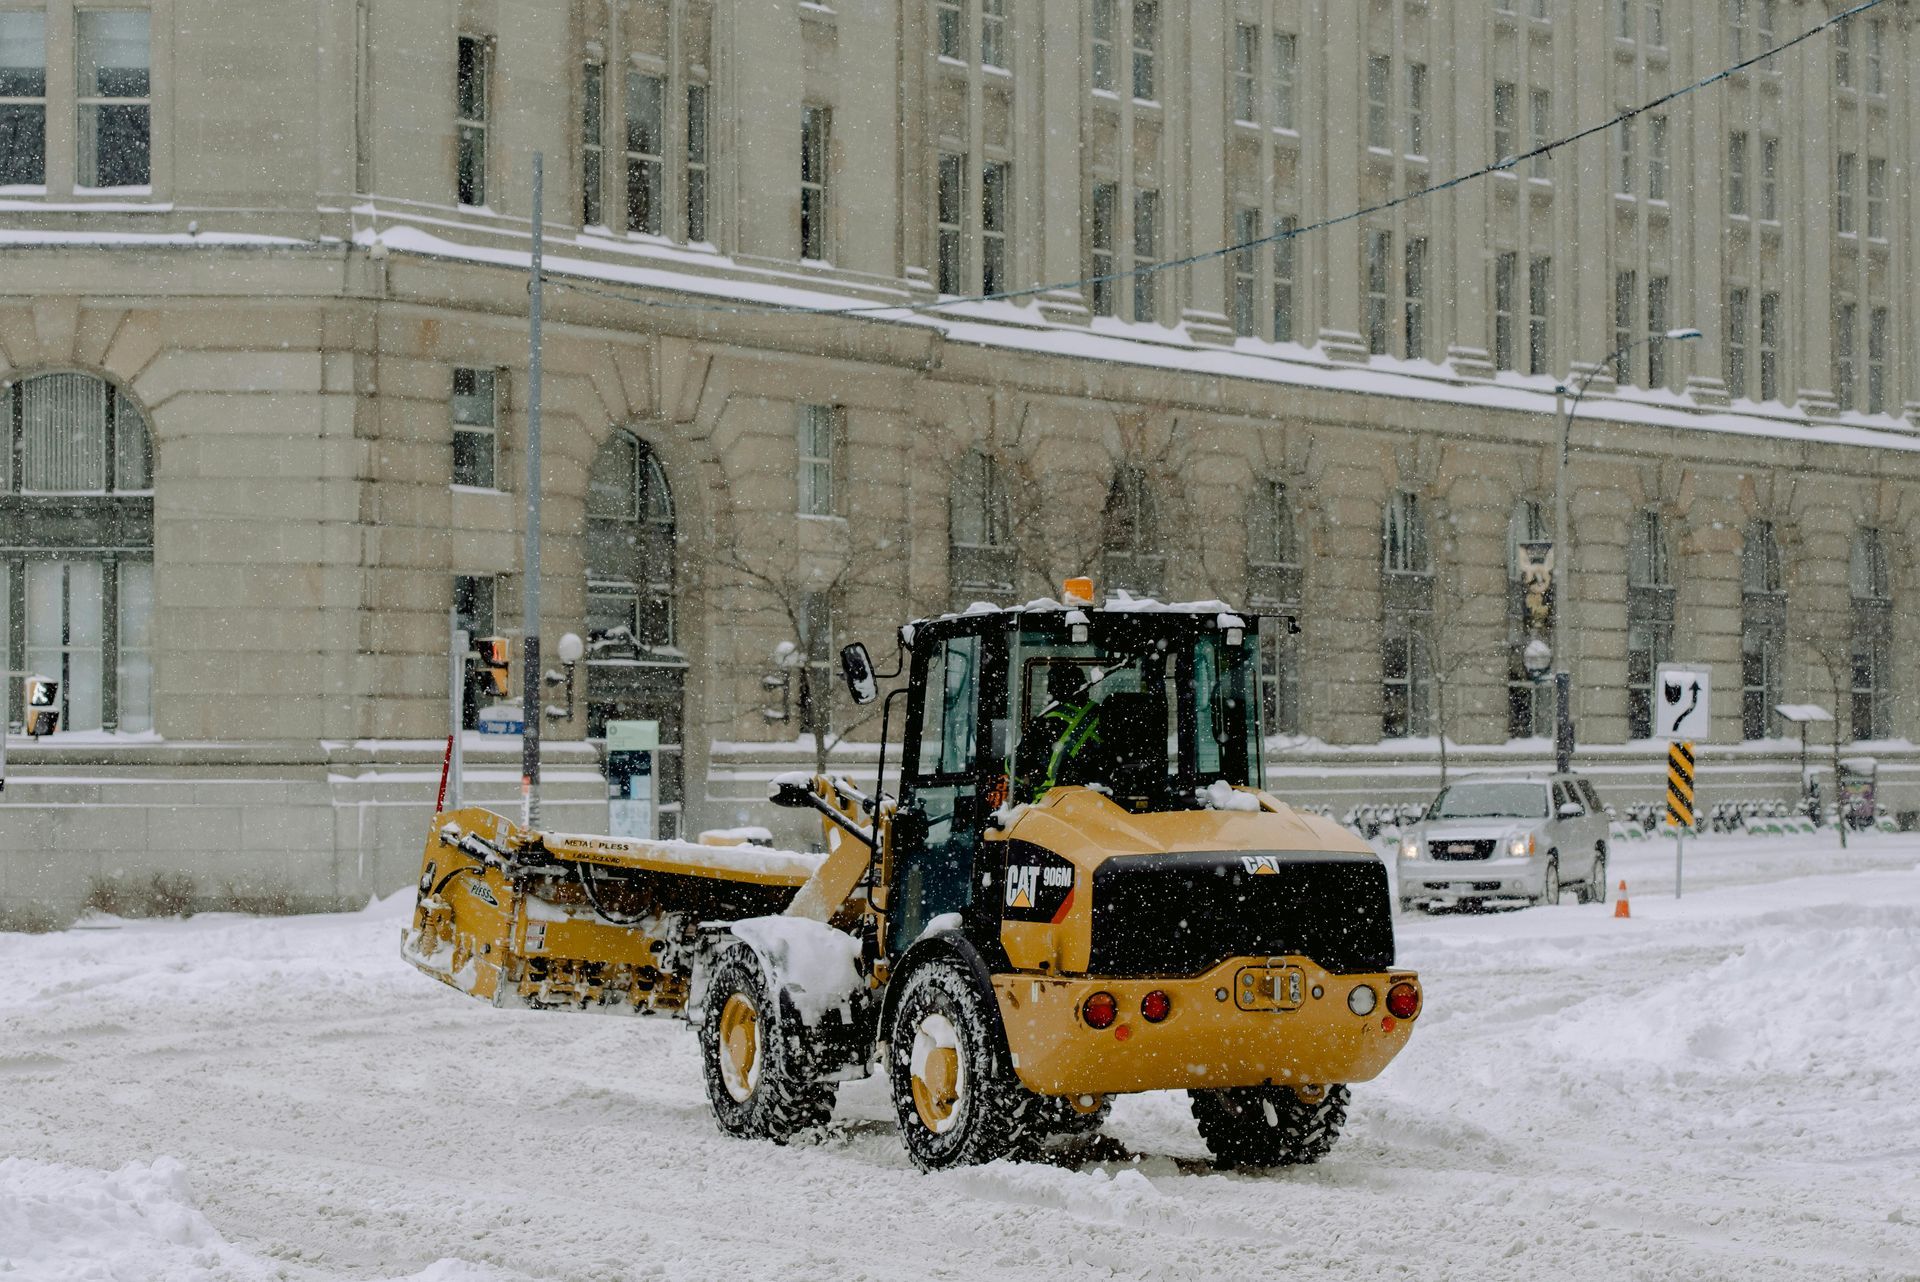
(1080, 890)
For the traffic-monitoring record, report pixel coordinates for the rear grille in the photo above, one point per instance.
(1460, 849)
(1179, 915)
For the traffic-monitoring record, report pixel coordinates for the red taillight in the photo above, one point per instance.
(1100, 1010)
(1403, 1001)
(1156, 1006)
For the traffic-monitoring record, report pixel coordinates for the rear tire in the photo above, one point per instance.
(1268, 1125)
(754, 1051)
(956, 1099)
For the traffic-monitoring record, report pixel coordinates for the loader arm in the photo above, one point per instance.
(847, 822)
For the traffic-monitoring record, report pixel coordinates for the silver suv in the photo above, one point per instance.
(1505, 838)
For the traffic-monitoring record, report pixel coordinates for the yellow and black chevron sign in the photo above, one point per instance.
(1680, 785)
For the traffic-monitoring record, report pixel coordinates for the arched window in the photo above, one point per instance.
(1406, 657)
(1649, 615)
(1871, 702)
(1529, 704)
(980, 554)
(635, 668)
(1763, 629)
(1135, 561)
(1273, 587)
(76, 549)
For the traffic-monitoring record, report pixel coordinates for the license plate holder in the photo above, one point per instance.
(1269, 988)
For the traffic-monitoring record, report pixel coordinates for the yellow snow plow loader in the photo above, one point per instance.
(1080, 891)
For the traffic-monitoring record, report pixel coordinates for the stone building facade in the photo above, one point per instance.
(263, 343)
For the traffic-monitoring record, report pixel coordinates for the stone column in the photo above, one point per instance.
(1203, 106)
(1343, 87)
(1467, 208)
(1585, 302)
(1810, 236)
(1701, 229)
(760, 57)
(1056, 86)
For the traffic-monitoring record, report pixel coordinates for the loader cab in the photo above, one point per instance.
(1149, 706)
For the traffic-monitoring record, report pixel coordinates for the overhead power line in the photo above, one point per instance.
(1214, 255)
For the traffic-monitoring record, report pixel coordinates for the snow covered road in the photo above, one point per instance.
(1725, 1086)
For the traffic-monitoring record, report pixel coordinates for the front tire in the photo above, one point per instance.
(1595, 889)
(755, 1055)
(1550, 883)
(1269, 1125)
(956, 1099)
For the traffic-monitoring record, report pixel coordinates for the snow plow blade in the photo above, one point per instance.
(561, 921)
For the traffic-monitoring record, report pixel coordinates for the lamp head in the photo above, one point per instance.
(1683, 335)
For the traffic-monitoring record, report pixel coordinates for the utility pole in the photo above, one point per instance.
(457, 643)
(1562, 597)
(530, 710)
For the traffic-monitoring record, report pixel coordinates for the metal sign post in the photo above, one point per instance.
(456, 704)
(1679, 804)
(530, 696)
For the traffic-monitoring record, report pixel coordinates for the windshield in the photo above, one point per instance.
(1490, 801)
(1148, 707)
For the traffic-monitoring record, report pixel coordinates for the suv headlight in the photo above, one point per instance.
(1409, 847)
(1520, 845)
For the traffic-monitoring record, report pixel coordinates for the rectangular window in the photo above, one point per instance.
(646, 142)
(1101, 233)
(133, 649)
(1876, 198)
(1146, 251)
(1657, 327)
(1283, 278)
(696, 163)
(996, 205)
(1416, 109)
(1657, 23)
(113, 89)
(1539, 295)
(1647, 565)
(950, 28)
(1623, 18)
(1379, 91)
(1657, 157)
(1246, 71)
(819, 427)
(23, 101)
(1285, 79)
(1379, 246)
(593, 89)
(65, 635)
(1770, 179)
(816, 705)
(1769, 347)
(1146, 39)
(1416, 301)
(1845, 316)
(1105, 19)
(1542, 125)
(1736, 30)
(1736, 345)
(472, 95)
(1623, 158)
(1506, 98)
(950, 203)
(993, 34)
(1539, 10)
(1625, 300)
(475, 428)
(1245, 273)
(1876, 56)
(1843, 55)
(816, 126)
(1737, 174)
(1844, 166)
(1763, 33)
(1506, 267)
(1878, 330)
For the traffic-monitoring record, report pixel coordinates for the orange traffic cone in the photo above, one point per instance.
(1620, 905)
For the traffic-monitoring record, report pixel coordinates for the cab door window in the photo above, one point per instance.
(934, 875)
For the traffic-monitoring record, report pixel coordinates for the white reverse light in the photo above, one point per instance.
(1362, 999)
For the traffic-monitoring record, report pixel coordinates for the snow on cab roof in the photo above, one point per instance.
(1119, 601)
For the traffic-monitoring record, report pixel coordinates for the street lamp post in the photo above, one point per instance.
(1563, 552)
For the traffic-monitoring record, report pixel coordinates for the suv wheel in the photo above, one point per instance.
(1550, 882)
(1595, 891)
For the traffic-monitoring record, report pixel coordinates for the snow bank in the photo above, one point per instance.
(61, 1223)
(814, 961)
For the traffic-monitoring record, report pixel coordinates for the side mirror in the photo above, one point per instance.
(1571, 810)
(857, 666)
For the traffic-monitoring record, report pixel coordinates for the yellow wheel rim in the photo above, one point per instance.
(739, 1047)
(939, 1078)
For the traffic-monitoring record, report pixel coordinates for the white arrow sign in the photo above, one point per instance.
(1681, 699)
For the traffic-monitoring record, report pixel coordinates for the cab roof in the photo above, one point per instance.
(1119, 601)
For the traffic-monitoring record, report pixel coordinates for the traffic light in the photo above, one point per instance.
(43, 706)
(495, 660)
